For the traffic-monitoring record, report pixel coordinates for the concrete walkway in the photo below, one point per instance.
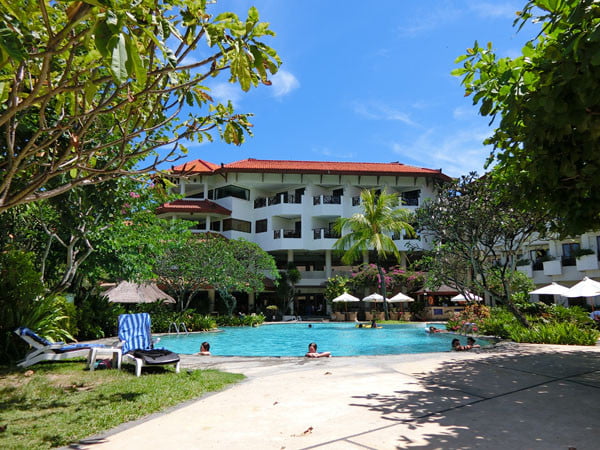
(512, 397)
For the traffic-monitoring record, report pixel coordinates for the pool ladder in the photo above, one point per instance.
(179, 327)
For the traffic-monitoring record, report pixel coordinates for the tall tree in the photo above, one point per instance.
(476, 236)
(92, 90)
(547, 140)
(373, 229)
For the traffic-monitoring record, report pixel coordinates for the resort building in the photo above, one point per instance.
(289, 208)
(564, 261)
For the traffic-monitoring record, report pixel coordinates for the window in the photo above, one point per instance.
(261, 226)
(237, 225)
(232, 191)
(215, 226)
(411, 198)
(568, 254)
(199, 195)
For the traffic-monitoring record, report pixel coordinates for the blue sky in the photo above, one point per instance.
(369, 82)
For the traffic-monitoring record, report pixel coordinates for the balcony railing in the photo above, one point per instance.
(277, 199)
(568, 261)
(286, 234)
(324, 233)
(327, 200)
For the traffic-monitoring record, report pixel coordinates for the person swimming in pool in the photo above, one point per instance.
(204, 349)
(313, 353)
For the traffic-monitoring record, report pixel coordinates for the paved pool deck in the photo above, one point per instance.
(511, 397)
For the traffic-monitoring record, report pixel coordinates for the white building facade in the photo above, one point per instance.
(288, 208)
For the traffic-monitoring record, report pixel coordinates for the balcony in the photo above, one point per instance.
(552, 267)
(277, 199)
(526, 269)
(327, 200)
(587, 262)
(287, 234)
(324, 233)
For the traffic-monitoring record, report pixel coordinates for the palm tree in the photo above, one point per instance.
(371, 229)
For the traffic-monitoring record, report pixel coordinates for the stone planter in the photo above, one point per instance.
(351, 316)
(340, 316)
(552, 267)
(587, 262)
(368, 316)
(394, 316)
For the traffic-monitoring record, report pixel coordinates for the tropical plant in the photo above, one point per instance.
(96, 90)
(477, 235)
(97, 317)
(547, 111)
(286, 287)
(372, 229)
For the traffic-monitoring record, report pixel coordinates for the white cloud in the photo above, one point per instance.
(380, 111)
(495, 9)
(326, 152)
(222, 92)
(430, 20)
(283, 83)
(456, 154)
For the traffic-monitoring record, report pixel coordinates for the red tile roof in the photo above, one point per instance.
(317, 167)
(193, 206)
(196, 166)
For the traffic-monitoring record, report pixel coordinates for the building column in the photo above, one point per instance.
(403, 260)
(327, 263)
(181, 186)
(290, 256)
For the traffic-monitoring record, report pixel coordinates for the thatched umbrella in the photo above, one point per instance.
(126, 292)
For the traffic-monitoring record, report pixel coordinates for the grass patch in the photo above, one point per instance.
(62, 403)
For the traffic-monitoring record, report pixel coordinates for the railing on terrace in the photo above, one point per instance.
(286, 234)
(277, 199)
(324, 233)
(327, 200)
(568, 261)
(260, 202)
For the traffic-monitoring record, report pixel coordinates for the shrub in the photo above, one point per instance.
(498, 323)
(97, 317)
(564, 333)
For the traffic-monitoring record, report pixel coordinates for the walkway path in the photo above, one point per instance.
(516, 397)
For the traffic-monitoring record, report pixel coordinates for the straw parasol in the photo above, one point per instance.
(126, 292)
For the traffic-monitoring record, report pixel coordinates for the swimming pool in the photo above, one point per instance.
(341, 339)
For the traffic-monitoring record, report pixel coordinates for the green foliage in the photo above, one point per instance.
(336, 286)
(562, 333)
(20, 288)
(61, 403)
(97, 317)
(90, 89)
(549, 325)
(477, 235)
(238, 321)
(473, 313)
(546, 104)
(372, 230)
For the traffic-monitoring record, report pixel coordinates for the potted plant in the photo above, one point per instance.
(272, 311)
(524, 266)
(552, 266)
(585, 259)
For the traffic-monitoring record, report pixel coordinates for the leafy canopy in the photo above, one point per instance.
(546, 104)
(97, 89)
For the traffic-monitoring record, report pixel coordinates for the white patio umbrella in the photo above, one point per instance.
(470, 297)
(345, 297)
(401, 298)
(374, 297)
(585, 288)
(551, 289)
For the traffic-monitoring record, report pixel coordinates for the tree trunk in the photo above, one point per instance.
(383, 291)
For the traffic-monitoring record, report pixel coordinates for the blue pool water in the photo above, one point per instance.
(342, 339)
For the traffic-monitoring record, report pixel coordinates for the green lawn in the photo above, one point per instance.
(61, 403)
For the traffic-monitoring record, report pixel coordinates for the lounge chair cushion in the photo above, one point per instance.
(156, 356)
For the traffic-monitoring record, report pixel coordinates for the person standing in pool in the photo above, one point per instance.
(313, 353)
(204, 349)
